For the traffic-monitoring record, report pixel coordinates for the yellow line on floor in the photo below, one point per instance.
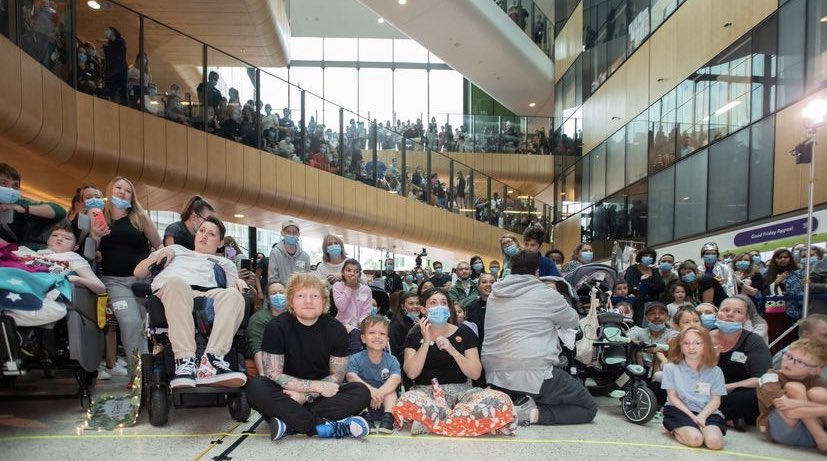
(213, 445)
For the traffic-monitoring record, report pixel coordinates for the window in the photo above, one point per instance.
(616, 162)
(690, 195)
(445, 92)
(410, 94)
(340, 88)
(791, 52)
(764, 60)
(661, 213)
(637, 143)
(409, 51)
(661, 9)
(661, 132)
(816, 43)
(729, 92)
(375, 94)
(306, 49)
(340, 49)
(375, 50)
(597, 191)
(728, 181)
(761, 158)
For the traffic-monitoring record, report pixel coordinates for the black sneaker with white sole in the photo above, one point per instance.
(215, 371)
(184, 373)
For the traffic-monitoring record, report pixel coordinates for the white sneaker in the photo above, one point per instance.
(102, 373)
(117, 370)
(121, 361)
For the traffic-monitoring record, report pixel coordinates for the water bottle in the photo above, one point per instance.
(439, 395)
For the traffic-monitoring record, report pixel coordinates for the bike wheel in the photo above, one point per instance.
(639, 404)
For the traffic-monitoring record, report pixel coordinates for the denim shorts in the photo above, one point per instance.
(797, 435)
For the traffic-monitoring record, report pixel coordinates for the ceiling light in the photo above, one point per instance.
(824, 19)
(238, 215)
(94, 5)
(381, 20)
(402, 2)
(532, 104)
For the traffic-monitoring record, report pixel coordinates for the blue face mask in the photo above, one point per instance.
(742, 265)
(82, 58)
(511, 249)
(278, 301)
(797, 257)
(420, 276)
(389, 267)
(94, 202)
(413, 316)
(92, 53)
(813, 260)
(647, 260)
(438, 271)
(710, 260)
(495, 270)
(756, 260)
(334, 250)
(689, 278)
(374, 310)
(409, 278)
(120, 203)
(439, 315)
(665, 267)
(657, 327)
(708, 321)
(290, 239)
(477, 267)
(586, 256)
(729, 327)
(9, 195)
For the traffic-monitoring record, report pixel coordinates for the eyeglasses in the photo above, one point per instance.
(692, 343)
(798, 362)
(199, 215)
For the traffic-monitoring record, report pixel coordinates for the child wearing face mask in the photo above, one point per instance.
(275, 302)
(708, 313)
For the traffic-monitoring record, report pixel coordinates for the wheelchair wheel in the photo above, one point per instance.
(239, 406)
(639, 404)
(158, 406)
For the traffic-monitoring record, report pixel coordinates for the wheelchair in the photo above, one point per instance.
(158, 366)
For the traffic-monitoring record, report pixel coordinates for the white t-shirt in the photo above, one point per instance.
(59, 263)
(196, 268)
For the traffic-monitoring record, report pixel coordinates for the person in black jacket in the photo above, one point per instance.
(644, 281)
(406, 317)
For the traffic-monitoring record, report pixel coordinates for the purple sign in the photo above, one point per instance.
(774, 232)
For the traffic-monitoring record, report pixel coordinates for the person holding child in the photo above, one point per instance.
(378, 370)
(694, 386)
(353, 300)
(794, 386)
(644, 281)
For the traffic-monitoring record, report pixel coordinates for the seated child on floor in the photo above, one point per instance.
(792, 399)
(378, 370)
(814, 326)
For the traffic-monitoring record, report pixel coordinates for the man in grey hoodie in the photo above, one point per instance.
(287, 257)
(521, 348)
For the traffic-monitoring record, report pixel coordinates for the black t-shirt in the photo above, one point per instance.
(475, 312)
(705, 283)
(306, 349)
(438, 363)
(752, 359)
(123, 248)
(180, 235)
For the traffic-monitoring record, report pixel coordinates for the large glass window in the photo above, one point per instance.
(661, 213)
(730, 90)
(764, 61)
(791, 52)
(616, 162)
(410, 94)
(661, 132)
(598, 173)
(638, 24)
(341, 88)
(661, 9)
(444, 91)
(340, 49)
(375, 50)
(690, 195)
(761, 158)
(306, 48)
(637, 143)
(728, 181)
(409, 51)
(816, 43)
(375, 87)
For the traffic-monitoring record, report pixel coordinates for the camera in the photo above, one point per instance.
(419, 257)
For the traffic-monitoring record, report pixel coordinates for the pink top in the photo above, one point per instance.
(353, 305)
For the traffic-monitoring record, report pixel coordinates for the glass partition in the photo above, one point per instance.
(530, 18)
(440, 182)
(231, 98)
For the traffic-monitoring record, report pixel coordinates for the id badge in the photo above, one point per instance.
(739, 357)
(300, 265)
(703, 388)
(362, 297)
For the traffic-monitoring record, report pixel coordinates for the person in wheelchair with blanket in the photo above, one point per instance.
(185, 275)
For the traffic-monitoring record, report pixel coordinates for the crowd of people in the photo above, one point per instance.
(333, 351)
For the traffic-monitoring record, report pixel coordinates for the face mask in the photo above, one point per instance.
(439, 315)
(756, 260)
(495, 270)
(647, 260)
(657, 326)
(230, 253)
(374, 310)
(120, 203)
(413, 316)
(708, 321)
(742, 265)
(420, 276)
(92, 53)
(107, 34)
(438, 271)
(82, 58)
(477, 267)
(586, 256)
(334, 250)
(94, 202)
(813, 260)
(409, 278)
(689, 278)
(665, 267)
(389, 267)
(797, 257)
(290, 239)
(729, 327)
(278, 300)
(511, 249)
(9, 195)
(710, 260)
(727, 260)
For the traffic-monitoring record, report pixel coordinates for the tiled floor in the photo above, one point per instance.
(49, 430)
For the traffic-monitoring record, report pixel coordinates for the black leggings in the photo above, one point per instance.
(740, 403)
(269, 399)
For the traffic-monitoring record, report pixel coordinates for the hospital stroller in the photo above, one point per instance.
(158, 366)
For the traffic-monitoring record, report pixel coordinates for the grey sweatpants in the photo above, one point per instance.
(131, 315)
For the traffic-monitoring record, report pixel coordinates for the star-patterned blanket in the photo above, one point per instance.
(23, 289)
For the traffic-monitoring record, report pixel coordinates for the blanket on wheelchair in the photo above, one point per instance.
(27, 281)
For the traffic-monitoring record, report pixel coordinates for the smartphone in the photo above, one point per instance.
(99, 219)
(245, 264)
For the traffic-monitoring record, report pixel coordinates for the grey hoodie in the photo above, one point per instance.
(282, 265)
(521, 347)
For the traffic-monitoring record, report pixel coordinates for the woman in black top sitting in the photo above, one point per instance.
(702, 288)
(124, 241)
(182, 232)
(743, 357)
(644, 281)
